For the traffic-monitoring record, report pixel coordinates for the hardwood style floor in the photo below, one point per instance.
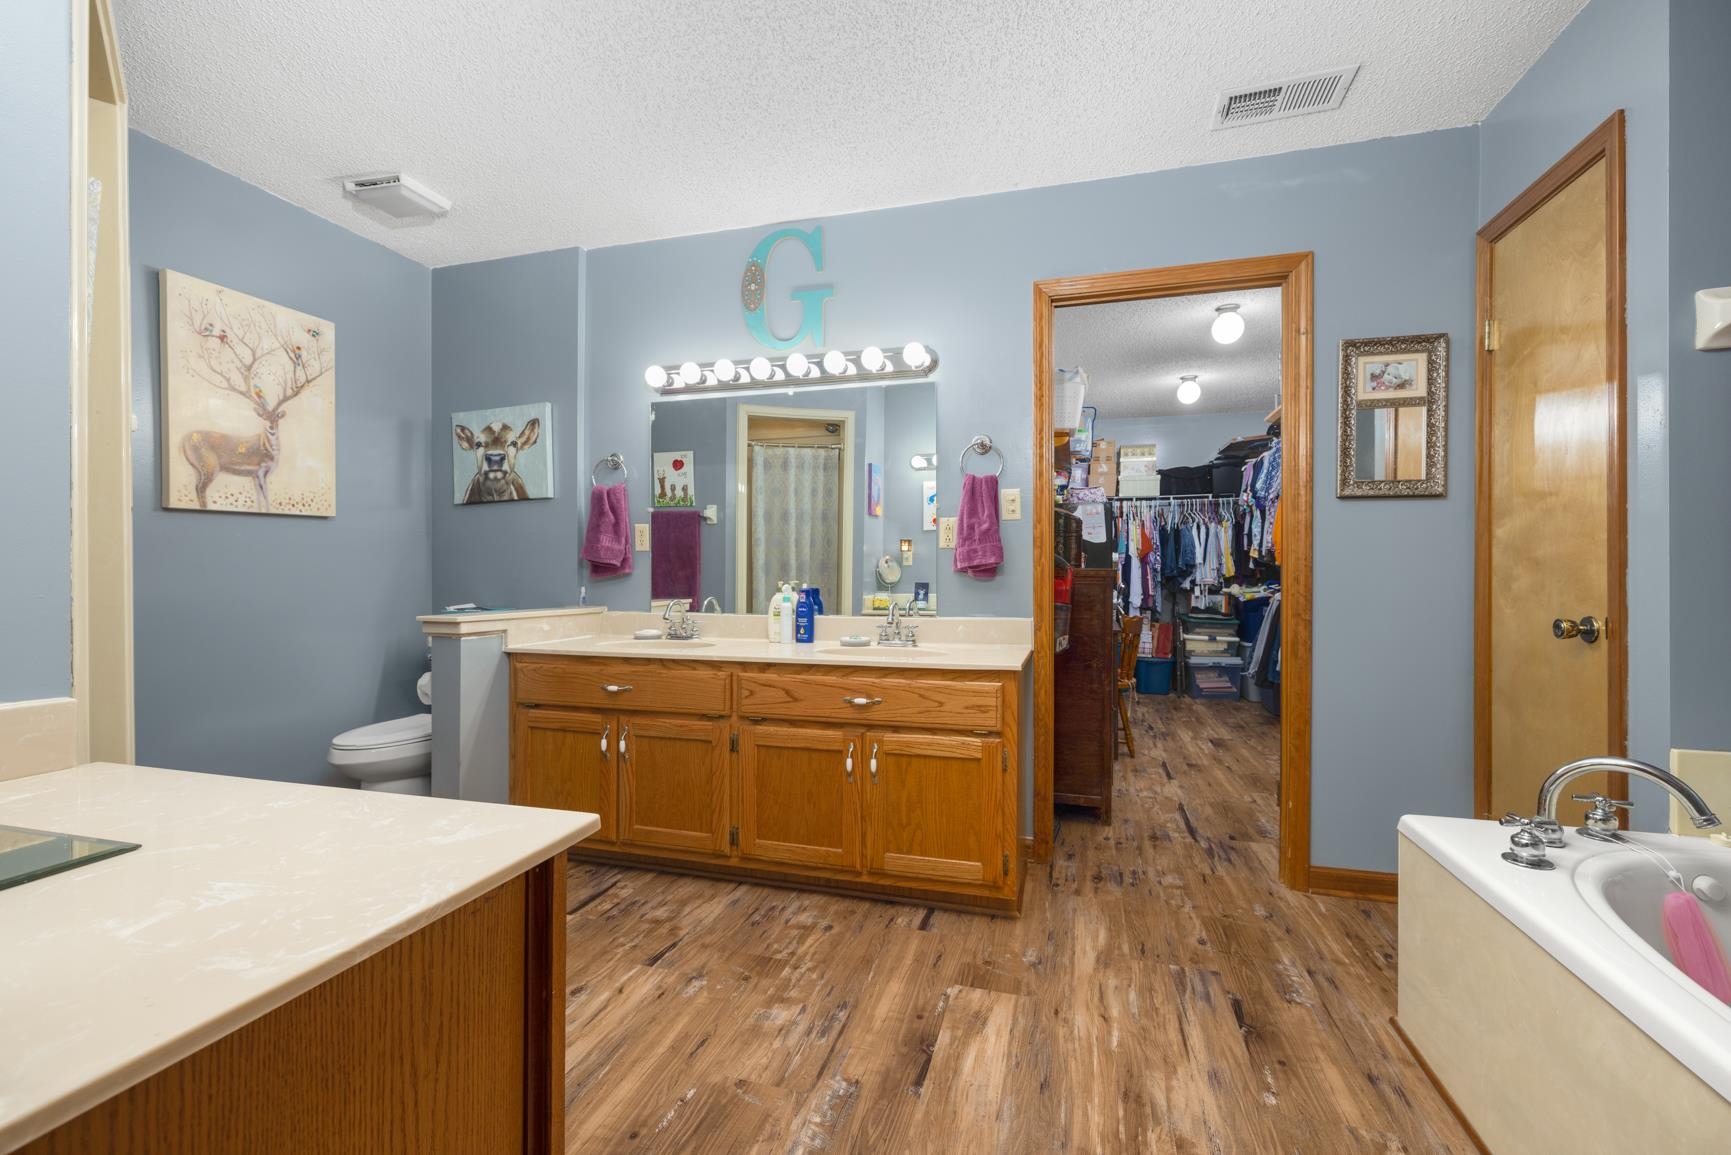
(1161, 993)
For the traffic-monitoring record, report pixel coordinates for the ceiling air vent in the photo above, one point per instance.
(400, 196)
(1318, 92)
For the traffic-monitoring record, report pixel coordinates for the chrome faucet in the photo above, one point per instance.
(1549, 794)
(711, 601)
(680, 626)
(898, 631)
(1528, 843)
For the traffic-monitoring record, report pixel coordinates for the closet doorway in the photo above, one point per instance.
(1280, 289)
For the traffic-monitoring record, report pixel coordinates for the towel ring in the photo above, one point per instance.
(611, 461)
(981, 445)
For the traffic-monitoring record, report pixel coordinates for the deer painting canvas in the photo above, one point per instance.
(502, 454)
(248, 403)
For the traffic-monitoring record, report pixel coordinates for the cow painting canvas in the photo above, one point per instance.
(502, 454)
(249, 410)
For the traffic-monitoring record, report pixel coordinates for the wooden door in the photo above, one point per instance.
(673, 782)
(564, 759)
(800, 795)
(932, 809)
(1552, 534)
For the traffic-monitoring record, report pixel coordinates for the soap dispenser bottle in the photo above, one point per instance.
(773, 612)
(785, 613)
(803, 615)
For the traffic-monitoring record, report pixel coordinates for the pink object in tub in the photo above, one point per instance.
(1694, 948)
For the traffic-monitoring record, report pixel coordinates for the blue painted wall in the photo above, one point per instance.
(35, 470)
(957, 274)
(1700, 76)
(509, 332)
(260, 638)
(1615, 54)
(1190, 439)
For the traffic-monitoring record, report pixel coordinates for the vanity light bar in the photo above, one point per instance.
(795, 370)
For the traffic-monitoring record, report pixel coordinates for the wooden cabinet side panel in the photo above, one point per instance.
(421, 1048)
(1085, 695)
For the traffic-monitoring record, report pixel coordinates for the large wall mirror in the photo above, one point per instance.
(821, 488)
(1394, 416)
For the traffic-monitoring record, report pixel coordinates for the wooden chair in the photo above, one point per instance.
(1129, 642)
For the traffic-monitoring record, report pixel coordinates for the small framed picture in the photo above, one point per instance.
(673, 480)
(1400, 379)
(874, 491)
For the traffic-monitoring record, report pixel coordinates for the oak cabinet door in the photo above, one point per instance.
(933, 808)
(800, 796)
(673, 782)
(564, 759)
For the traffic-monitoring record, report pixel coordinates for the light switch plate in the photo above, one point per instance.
(641, 530)
(1010, 505)
(946, 533)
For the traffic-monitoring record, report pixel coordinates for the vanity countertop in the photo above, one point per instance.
(1001, 644)
(243, 895)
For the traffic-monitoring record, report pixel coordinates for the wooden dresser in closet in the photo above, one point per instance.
(1084, 697)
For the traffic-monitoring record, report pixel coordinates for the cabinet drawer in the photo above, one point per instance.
(607, 685)
(872, 701)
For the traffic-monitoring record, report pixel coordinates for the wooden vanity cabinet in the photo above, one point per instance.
(868, 780)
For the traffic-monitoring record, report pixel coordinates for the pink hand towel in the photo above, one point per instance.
(676, 562)
(979, 548)
(607, 539)
(1694, 947)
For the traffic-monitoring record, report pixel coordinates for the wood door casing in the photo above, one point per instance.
(800, 795)
(673, 783)
(1552, 524)
(566, 762)
(925, 795)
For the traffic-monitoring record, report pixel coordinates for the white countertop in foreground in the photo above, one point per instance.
(245, 894)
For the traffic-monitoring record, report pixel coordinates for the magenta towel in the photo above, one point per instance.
(676, 561)
(979, 548)
(607, 539)
(1694, 947)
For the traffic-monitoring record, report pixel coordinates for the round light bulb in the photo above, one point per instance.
(725, 370)
(655, 377)
(835, 363)
(871, 359)
(689, 373)
(1228, 325)
(915, 355)
(760, 368)
(797, 364)
(1188, 390)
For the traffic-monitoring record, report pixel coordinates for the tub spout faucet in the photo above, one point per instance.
(1551, 792)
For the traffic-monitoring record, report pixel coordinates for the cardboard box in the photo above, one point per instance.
(1103, 466)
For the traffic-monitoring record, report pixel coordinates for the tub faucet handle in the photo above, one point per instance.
(1549, 830)
(1603, 816)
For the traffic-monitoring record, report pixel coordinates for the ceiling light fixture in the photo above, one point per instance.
(1228, 325)
(1188, 389)
(835, 367)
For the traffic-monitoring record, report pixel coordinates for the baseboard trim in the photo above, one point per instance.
(1448, 1099)
(38, 736)
(1344, 882)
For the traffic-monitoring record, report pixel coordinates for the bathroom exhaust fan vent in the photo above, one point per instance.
(400, 196)
(1318, 92)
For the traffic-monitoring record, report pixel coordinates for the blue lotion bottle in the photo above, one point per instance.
(803, 618)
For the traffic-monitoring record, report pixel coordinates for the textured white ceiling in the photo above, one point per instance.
(1134, 352)
(554, 123)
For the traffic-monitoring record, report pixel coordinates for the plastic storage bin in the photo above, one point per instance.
(1153, 675)
(1215, 682)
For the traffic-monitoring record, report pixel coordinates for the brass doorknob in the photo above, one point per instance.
(1587, 629)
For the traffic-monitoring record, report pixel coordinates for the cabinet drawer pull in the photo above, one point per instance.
(862, 701)
(604, 734)
(874, 763)
(850, 761)
(624, 733)
(612, 689)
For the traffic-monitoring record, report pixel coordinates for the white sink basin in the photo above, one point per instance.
(908, 652)
(657, 644)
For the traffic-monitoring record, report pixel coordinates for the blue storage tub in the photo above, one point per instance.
(1153, 675)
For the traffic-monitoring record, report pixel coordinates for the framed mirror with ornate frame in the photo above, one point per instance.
(1394, 416)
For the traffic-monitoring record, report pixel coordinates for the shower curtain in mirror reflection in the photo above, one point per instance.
(795, 519)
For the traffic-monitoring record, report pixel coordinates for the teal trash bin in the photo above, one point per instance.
(1153, 675)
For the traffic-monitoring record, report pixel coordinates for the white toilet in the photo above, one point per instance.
(394, 756)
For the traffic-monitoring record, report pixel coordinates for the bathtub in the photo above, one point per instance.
(1545, 999)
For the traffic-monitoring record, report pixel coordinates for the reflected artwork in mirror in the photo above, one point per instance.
(1394, 416)
(812, 488)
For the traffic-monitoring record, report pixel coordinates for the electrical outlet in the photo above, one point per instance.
(946, 533)
(642, 536)
(1010, 505)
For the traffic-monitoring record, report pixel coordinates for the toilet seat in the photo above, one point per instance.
(409, 731)
(395, 756)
